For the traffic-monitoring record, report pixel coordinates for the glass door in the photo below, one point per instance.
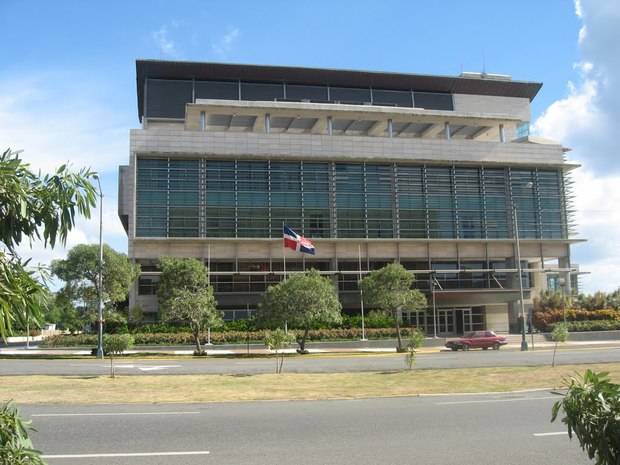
(445, 321)
(467, 320)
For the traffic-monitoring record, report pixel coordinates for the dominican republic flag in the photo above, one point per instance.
(294, 241)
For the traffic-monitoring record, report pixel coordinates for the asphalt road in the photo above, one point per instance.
(508, 429)
(306, 364)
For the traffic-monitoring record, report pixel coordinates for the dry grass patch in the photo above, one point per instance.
(287, 386)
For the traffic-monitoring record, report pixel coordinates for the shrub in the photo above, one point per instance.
(414, 341)
(592, 413)
(226, 337)
(15, 445)
(277, 340)
(596, 325)
(373, 319)
(543, 320)
(116, 344)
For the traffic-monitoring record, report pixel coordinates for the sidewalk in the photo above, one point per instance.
(375, 347)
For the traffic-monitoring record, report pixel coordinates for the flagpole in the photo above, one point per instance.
(284, 268)
(208, 284)
(359, 256)
(283, 251)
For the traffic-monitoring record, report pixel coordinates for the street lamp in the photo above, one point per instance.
(359, 257)
(100, 313)
(520, 272)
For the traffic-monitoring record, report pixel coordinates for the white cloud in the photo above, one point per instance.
(167, 47)
(586, 120)
(56, 122)
(225, 44)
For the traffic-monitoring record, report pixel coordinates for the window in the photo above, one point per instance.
(147, 285)
(167, 98)
(397, 98)
(349, 95)
(261, 91)
(227, 90)
(433, 101)
(311, 93)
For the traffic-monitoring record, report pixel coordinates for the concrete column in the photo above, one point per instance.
(446, 130)
(203, 121)
(502, 134)
(267, 123)
(390, 128)
(330, 125)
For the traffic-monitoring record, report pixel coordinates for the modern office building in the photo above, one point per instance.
(373, 167)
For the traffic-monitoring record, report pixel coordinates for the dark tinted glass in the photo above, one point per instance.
(397, 98)
(298, 92)
(255, 91)
(167, 98)
(349, 95)
(226, 90)
(433, 101)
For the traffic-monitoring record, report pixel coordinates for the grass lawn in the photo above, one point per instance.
(214, 388)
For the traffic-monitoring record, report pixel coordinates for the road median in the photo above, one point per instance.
(287, 386)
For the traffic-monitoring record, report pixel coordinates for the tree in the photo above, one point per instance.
(34, 207)
(61, 311)
(592, 412)
(277, 340)
(80, 272)
(15, 445)
(302, 301)
(185, 295)
(389, 290)
(179, 273)
(116, 344)
(559, 334)
(195, 307)
(415, 340)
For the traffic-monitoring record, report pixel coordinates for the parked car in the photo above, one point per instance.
(477, 340)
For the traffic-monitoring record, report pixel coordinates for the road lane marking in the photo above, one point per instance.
(457, 402)
(127, 454)
(108, 414)
(556, 433)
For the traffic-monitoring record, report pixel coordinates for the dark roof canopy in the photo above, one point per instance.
(161, 69)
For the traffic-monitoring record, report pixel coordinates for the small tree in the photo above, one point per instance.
(15, 445)
(80, 272)
(304, 300)
(277, 340)
(197, 308)
(34, 207)
(116, 344)
(592, 412)
(415, 340)
(179, 273)
(389, 289)
(559, 334)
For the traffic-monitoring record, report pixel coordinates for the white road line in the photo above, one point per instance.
(556, 433)
(109, 414)
(457, 402)
(128, 454)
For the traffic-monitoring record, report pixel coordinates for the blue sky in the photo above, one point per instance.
(67, 81)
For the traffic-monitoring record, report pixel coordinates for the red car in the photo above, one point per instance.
(477, 340)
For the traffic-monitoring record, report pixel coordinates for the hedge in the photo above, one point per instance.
(543, 320)
(593, 325)
(227, 337)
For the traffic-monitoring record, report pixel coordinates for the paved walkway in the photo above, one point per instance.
(255, 349)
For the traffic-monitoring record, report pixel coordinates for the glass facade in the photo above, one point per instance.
(166, 98)
(251, 198)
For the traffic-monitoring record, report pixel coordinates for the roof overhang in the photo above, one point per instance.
(162, 69)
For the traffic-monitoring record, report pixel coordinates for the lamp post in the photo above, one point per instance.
(519, 271)
(100, 285)
(359, 256)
